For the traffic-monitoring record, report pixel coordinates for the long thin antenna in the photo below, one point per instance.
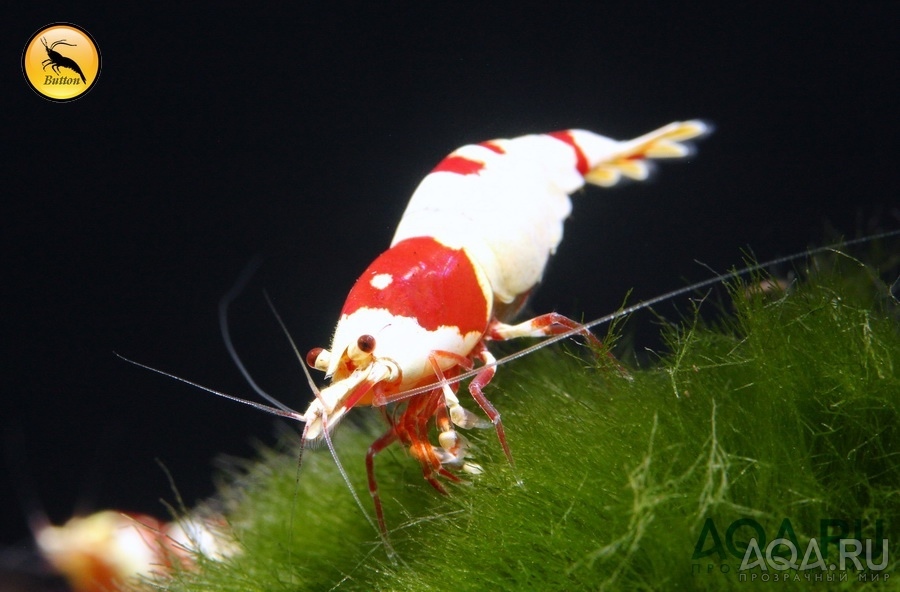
(287, 334)
(640, 306)
(287, 412)
(326, 430)
(384, 538)
(224, 304)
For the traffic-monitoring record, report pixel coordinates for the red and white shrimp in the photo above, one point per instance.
(471, 246)
(108, 549)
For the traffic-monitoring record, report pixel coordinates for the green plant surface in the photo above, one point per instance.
(785, 407)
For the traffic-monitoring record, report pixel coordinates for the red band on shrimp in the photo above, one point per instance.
(459, 165)
(581, 161)
(492, 147)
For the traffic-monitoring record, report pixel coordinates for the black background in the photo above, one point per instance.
(218, 134)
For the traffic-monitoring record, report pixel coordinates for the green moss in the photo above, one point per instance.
(787, 408)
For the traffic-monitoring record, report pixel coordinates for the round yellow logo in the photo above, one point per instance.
(61, 62)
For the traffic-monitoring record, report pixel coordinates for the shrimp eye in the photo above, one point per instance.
(313, 356)
(366, 343)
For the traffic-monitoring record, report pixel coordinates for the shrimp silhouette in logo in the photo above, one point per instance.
(56, 60)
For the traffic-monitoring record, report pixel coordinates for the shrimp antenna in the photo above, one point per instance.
(224, 304)
(326, 431)
(287, 413)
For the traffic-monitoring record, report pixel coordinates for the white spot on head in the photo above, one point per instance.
(381, 281)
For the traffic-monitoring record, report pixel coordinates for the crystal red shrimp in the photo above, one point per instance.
(471, 246)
